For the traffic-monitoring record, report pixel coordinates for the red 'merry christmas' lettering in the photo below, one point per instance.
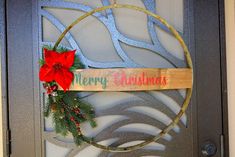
(122, 79)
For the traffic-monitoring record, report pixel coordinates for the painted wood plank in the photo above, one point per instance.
(131, 79)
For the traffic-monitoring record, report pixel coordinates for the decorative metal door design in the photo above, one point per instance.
(122, 38)
(112, 39)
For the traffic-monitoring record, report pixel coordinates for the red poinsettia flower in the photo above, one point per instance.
(56, 68)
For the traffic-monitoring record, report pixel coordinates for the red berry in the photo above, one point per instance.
(49, 90)
(77, 110)
(54, 87)
(77, 124)
(72, 119)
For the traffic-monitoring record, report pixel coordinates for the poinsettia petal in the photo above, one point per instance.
(51, 57)
(67, 58)
(46, 73)
(64, 78)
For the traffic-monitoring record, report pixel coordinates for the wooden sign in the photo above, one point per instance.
(135, 79)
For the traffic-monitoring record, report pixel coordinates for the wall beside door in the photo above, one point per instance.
(230, 33)
(2, 41)
(1, 139)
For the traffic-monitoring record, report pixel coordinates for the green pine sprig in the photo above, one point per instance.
(68, 111)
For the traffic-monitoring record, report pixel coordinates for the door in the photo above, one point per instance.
(119, 38)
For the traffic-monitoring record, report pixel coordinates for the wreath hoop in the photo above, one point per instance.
(189, 64)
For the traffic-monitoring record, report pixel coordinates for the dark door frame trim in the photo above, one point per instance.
(211, 14)
(21, 86)
(224, 93)
(5, 47)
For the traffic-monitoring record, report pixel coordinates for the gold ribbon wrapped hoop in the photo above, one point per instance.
(189, 64)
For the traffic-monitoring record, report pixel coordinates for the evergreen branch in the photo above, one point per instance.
(66, 109)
